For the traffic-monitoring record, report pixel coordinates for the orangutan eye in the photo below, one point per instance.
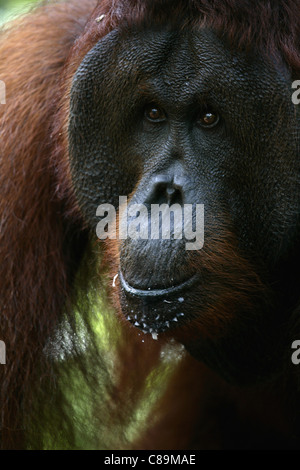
(208, 119)
(154, 113)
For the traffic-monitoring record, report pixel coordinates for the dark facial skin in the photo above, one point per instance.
(167, 117)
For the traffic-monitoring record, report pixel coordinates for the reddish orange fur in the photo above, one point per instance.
(33, 269)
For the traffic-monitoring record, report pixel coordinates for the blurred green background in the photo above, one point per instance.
(11, 8)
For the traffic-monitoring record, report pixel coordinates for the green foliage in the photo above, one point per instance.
(11, 8)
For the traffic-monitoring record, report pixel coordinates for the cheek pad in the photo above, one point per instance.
(104, 102)
(95, 128)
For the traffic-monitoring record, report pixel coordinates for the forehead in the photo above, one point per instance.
(179, 69)
(178, 57)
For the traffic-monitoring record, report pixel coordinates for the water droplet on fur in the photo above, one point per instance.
(114, 280)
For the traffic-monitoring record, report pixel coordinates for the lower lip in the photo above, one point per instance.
(156, 293)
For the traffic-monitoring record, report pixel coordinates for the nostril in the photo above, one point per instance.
(167, 194)
(170, 193)
(173, 195)
(162, 193)
(165, 191)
